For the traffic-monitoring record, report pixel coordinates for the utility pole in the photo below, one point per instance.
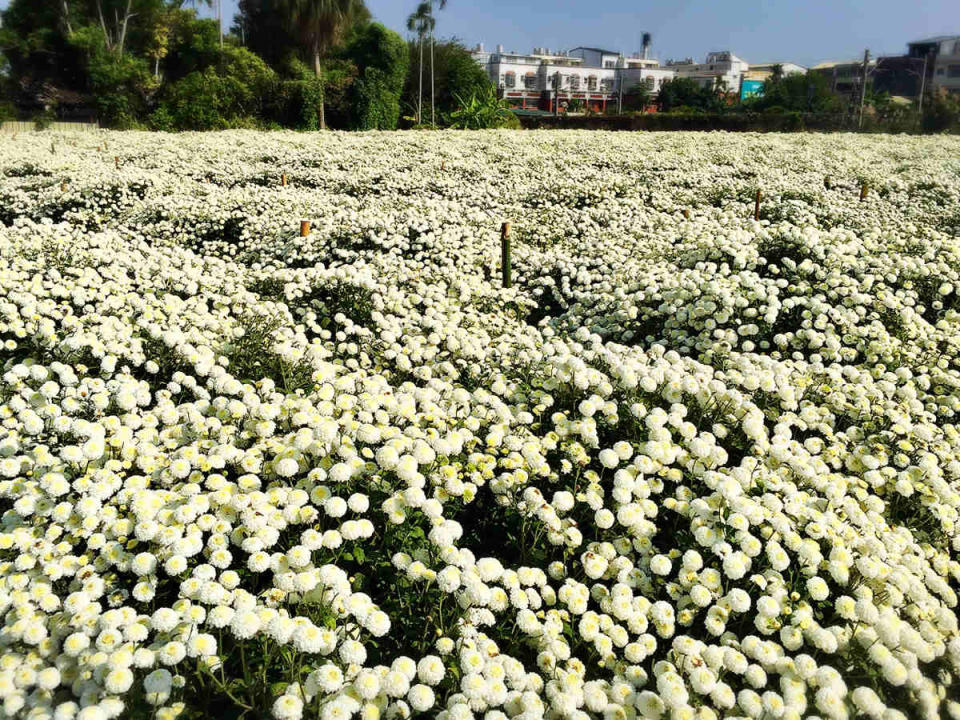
(556, 94)
(923, 81)
(863, 89)
(619, 86)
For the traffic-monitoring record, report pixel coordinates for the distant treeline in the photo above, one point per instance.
(285, 63)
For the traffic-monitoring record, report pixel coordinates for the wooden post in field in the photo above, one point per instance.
(116, 161)
(505, 253)
(53, 149)
(443, 165)
(864, 189)
(756, 207)
(63, 186)
(686, 213)
(827, 183)
(283, 180)
(304, 228)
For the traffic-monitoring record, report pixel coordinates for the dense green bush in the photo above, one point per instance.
(943, 113)
(482, 110)
(381, 57)
(121, 84)
(687, 96)
(809, 93)
(234, 93)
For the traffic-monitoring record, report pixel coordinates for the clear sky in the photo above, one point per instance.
(801, 31)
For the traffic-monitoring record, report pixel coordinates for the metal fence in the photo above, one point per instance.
(14, 126)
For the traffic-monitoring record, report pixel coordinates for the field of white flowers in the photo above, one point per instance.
(690, 465)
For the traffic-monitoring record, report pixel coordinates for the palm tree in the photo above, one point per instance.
(433, 23)
(421, 21)
(321, 24)
(776, 74)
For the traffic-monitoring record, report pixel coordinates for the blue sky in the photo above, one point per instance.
(799, 31)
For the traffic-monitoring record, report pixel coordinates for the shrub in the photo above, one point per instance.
(381, 58)
(483, 109)
(232, 94)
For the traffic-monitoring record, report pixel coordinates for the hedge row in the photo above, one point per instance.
(742, 122)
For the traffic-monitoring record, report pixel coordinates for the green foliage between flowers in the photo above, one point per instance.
(481, 110)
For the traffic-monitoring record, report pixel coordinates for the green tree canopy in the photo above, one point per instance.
(798, 92)
(685, 93)
(382, 60)
(457, 73)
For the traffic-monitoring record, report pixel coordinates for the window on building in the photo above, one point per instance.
(510, 80)
(574, 82)
(530, 81)
(940, 71)
(592, 83)
(956, 48)
(650, 82)
(606, 85)
(608, 64)
(953, 71)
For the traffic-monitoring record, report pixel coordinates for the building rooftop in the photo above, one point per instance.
(837, 63)
(770, 65)
(937, 39)
(599, 50)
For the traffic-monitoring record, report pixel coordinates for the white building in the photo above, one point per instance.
(719, 68)
(590, 75)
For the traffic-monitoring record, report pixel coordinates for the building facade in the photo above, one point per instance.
(943, 61)
(845, 76)
(592, 76)
(720, 69)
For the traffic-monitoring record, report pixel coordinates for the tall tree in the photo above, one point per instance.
(422, 22)
(441, 4)
(457, 73)
(321, 24)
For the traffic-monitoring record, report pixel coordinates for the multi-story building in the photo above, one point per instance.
(593, 76)
(721, 69)
(766, 70)
(943, 60)
(928, 65)
(845, 76)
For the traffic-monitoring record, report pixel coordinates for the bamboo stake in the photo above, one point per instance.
(686, 213)
(304, 228)
(63, 186)
(443, 165)
(756, 207)
(505, 253)
(116, 161)
(283, 179)
(864, 189)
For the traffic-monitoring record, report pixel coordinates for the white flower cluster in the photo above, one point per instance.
(691, 465)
